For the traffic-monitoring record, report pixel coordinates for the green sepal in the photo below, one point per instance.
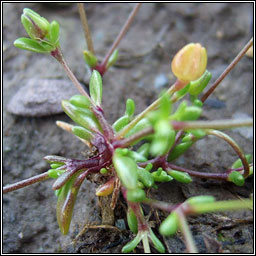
(156, 242)
(195, 200)
(132, 220)
(80, 101)
(170, 225)
(54, 33)
(191, 113)
(136, 195)
(181, 93)
(95, 87)
(182, 177)
(198, 103)
(132, 244)
(198, 133)
(237, 178)
(29, 45)
(90, 59)
(238, 163)
(197, 86)
(179, 150)
(145, 177)
(126, 169)
(55, 166)
(112, 59)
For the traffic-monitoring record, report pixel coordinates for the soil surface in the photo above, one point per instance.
(142, 72)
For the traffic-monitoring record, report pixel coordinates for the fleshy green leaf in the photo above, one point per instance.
(54, 32)
(96, 87)
(29, 45)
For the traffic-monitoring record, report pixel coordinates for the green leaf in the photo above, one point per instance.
(130, 108)
(53, 173)
(82, 133)
(237, 178)
(144, 150)
(132, 244)
(80, 101)
(195, 200)
(65, 204)
(145, 177)
(179, 150)
(180, 176)
(157, 243)
(54, 33)
(95, 87)
(238, 163)
(29, 45)
(112, 59)
(90, 59)
(196, 87)
(170, 225)
(132, 220)
(136, 195)
(120, 123)
(126, 169)
(81, 116)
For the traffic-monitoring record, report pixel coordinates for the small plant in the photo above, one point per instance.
(134, 154)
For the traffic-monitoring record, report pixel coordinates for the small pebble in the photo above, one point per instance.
(41, 97)
(215, 103)
(120, 224)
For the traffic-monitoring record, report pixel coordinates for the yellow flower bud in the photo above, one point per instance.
(190, 62)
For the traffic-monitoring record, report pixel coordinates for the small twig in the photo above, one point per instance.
(121, 34)
(227, 70)
(86, 28)
(235, 146)
(25, 183)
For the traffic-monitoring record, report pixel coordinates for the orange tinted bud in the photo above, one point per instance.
(106, 189)
(190, 62)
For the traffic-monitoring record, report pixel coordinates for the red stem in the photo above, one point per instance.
(25, 183)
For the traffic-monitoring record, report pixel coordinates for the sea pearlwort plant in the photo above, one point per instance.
(136, 153)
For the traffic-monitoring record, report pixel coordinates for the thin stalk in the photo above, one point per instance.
(235, 146)
(183, 225)
(227, 70)
(121, 34)
(59, 57)
(159, 204)
(219, 124)
(86, 28)
(25, 183)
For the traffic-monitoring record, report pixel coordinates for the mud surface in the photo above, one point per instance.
(159, 30)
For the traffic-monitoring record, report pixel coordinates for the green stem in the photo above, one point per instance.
(145, 242)
(86, 28)
(228, 205)
(227, 70)
(235, 146)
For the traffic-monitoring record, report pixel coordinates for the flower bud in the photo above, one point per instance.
(90, 58)
(190, 62)
(35, 25)
(237, 178)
